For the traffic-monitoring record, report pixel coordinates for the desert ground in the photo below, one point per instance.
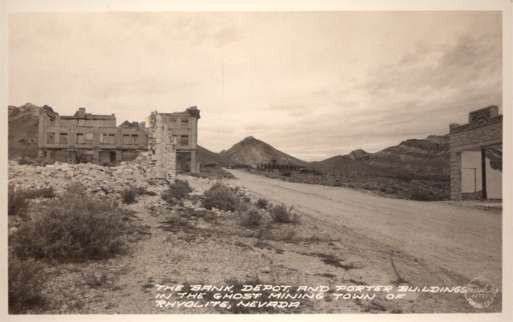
(465, 240)
(341, 237)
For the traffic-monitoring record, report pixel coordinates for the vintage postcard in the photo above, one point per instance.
(255, 161)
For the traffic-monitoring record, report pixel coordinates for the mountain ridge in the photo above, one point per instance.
(252, 152)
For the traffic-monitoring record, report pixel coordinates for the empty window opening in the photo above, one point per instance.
(63, 138)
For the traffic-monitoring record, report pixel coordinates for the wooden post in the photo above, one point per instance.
(484, 195)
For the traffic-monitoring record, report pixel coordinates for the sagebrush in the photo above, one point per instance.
(18, 199)
(26, 279)
(73, 227)
(176, 191)
(131, 194)
(222, 197)
(262, 203)
(282, 214)
(250, 216)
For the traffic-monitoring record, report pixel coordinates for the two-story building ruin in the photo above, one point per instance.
(171, 139)
(86, 137)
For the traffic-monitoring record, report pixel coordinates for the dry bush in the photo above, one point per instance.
(221, 197)
(183, 184)
(250, 216)
(282, 214)
(17, 203)
(288, 235)
(262, 203)
(176, 191)
(73, 227)
(18, 199)
(129, 196)
(25, 284)
(46, 192)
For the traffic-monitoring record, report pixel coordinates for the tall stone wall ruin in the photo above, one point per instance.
(162, 148)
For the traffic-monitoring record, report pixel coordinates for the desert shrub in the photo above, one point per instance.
(95, 279)
(72, 227)
(25, 284)
(183, 185)
(75, 188)
(46, 192)
(176, 191)
(221, 197)
(262, 203)
(282, 214)
(17, 203)
(169, 197)
(143, 191)
(129, 196)
(250, 216)
(18, 199)
(288, 235)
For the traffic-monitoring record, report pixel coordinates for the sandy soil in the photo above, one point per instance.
(464, 240)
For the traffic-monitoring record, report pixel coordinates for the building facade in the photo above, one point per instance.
(173, 142)
(86, 137)
(476, 156)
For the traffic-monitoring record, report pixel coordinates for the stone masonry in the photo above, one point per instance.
(171, 139)
(173, 142)
(162, 149)
(483, 129)
(86, 137)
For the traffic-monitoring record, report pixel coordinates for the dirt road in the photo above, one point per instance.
(464, 240)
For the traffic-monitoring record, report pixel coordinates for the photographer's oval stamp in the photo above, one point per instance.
(481, 293)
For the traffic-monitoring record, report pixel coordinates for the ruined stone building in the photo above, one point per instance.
(476, 156)
(173, 142)
(85, 137)
(171, 139)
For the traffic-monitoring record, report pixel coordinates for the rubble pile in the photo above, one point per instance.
(106, 182)
(100, 180)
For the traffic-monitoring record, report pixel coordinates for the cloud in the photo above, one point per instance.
(312, 84)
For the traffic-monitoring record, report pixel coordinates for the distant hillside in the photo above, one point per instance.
(207, 157)
(414, 158)
(23, 128)
(252, 152)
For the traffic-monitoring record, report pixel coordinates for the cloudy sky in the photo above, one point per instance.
(312, 84)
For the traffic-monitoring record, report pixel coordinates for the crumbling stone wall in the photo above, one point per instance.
(162, 148)
(173, 142)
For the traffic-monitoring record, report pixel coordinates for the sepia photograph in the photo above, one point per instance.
(255, 162)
